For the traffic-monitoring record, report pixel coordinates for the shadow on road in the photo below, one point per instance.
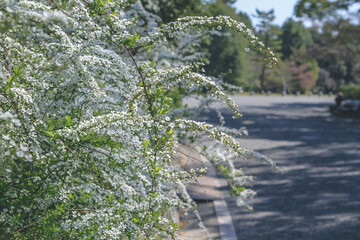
(318, 195)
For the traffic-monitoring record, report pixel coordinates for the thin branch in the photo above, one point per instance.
(142, 81)
(56, 7)
(27, 226)
(81, 210)
(38, 221)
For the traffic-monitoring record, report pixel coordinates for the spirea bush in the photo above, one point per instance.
(87, 125)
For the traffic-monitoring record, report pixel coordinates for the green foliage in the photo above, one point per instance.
(269, 34)
(176, 96)
(311, 8)
(227, 55)
(170, 10)
(318, 9)
(351, 92)
(275, 78)
(337, 51)
(300, 76)
(336, 40)
(294, 37)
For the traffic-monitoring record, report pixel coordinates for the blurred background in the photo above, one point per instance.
(317, 43)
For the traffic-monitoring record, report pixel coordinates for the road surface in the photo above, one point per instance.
(318, 194)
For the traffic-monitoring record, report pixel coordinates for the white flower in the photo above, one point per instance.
(6, 137)
(88, 115)
(20, 154)
(23, 147)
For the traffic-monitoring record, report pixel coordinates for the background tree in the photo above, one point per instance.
(300, 77)
(336, 40)
(294, 37)
(227, 49)
(269, 34)
(319, 9)
(296, 41)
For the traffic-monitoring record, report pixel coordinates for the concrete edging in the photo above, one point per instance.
(226, 226)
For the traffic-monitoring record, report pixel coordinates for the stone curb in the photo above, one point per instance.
(210, 187)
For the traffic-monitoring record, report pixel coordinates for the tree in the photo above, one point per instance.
(227, 54)
(336, 41)
(300, 67)
(300, 76)
(269, 35)
(319, 9)
(336, 50)
(87, 125)
(294, 37)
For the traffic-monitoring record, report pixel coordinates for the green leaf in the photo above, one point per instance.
(170, 132)
(68, 121)
(51, 134)
(127, 42)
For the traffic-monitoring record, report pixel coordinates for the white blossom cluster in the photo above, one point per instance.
(87, 125)
(189, 23)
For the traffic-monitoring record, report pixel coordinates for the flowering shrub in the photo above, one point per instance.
(87, 127)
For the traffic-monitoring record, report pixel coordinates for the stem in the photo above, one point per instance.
(38, 221)
(81, 210)
(27, 226)
(142, 80)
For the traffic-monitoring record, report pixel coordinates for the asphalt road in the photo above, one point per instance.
(318, 194)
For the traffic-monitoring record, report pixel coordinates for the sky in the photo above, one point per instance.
(283, 9)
